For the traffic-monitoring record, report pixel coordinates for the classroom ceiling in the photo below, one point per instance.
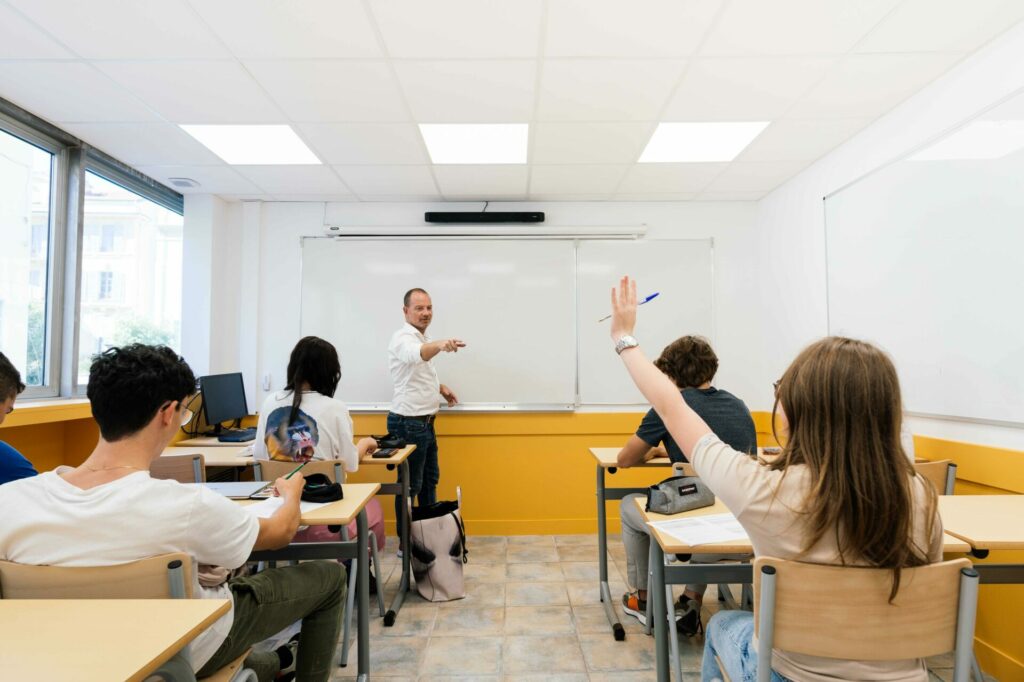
(592, 78)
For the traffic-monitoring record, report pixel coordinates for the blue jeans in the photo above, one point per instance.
(729, 635)
(424, 472)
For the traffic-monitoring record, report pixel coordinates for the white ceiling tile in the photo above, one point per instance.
(379, 180)
(801, 139)
(942, 25)
(314, 29)
(196, 92)
(743, 88)
(730, 196)
(754, 177)
(656, 196)
(640, 28)
(315, 198)
(569, 197)
(461, 29)
(588, 142)
(606, 89)
(226, 196)
(576, 179)
(365, 143)
(469, 91)
(870, 85)
(69, 91)
(220, 179)
(388, 198)
(481, 181)
(114, 29)
(144, 143)
(20, 39)
(332, 90)
(793, 27)
(673, 178)
(294, 179)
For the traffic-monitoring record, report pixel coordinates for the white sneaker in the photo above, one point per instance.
(399, 554)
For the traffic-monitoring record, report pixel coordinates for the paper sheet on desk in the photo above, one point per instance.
(703, 530)
(264, 509)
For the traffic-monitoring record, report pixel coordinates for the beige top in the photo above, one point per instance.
(765, 502)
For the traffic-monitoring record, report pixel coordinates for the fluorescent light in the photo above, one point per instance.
(253, 145)
(978, 140)
(476, 142)
(700, 142)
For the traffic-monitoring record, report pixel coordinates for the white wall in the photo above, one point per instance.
(273, 332)
(790, 221)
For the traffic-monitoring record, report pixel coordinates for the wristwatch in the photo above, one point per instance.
(624, 343)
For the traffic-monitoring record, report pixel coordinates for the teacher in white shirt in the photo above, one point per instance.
(417, 394)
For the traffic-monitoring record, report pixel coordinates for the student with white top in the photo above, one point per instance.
(110, 511)
(839, 406)
(417, 392)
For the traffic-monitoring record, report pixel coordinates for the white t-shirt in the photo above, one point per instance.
(322, 430)
(417, 388)
(48, 521)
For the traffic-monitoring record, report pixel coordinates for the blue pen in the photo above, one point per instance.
(649, 298)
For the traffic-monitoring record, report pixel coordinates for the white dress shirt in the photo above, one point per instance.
(417, 388)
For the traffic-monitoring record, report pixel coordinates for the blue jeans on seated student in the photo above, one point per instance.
(424, 472)
(729, 635)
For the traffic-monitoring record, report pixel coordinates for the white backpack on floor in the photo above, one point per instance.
(438, 540)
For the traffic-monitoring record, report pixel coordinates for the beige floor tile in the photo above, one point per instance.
(488, 554)
(463, 656)
(603, 654)
(478, 594)
(485, 572)
(535, 572)
(539, 620)
(531, 540)
(536, 594)
(551, 653)
(521, 554)
(586, 540)
(470, 621)
(580, 571)
(459, 678)
(636, 676)
(578, 553)
(411, 622)
(586, 593)
(557, 677)
(486, 540)
(396, 656)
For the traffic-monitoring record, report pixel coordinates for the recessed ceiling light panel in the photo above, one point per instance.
(700, 142)
(254, 145)
(483, 143)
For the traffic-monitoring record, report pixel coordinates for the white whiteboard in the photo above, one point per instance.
(679, 270)
(926, 258)
(512, 301)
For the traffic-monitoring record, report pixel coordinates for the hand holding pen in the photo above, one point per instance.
(639, 303)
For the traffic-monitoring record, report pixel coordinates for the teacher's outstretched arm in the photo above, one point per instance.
(682, 422)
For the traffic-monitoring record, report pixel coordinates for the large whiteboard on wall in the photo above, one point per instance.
(680, 271)
(512, 301)
(926, 258)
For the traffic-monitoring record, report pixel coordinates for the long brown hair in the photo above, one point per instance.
(841, 398)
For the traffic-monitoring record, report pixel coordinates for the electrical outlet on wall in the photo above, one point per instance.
(266, 381)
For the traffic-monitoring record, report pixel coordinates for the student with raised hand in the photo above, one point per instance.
(110, 511)
(691, 364)
(13, 465)
(838, 405)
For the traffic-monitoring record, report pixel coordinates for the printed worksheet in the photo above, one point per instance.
(266, 508)
(703, 530)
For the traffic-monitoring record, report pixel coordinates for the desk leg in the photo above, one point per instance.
(602, 560)
(656, 593)
(363, 588)
(403, 532)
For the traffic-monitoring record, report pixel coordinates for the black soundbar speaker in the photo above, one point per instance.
(477, 218)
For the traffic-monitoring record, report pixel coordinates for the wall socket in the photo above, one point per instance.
(266, 381)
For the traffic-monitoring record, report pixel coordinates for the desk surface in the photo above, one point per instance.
(209, 442)
(606, 459)
(950, 543)
(213, 456)
(340, 513)
(397, 458)
(985, 521)
(44, 638)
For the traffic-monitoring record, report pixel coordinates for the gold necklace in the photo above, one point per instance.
(123, 466)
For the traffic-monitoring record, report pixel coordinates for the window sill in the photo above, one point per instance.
(46, 411)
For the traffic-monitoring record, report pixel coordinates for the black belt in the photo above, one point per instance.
(425, 418)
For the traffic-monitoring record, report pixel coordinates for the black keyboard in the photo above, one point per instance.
(237, 435)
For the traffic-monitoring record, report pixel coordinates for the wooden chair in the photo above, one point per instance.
(844, 612)
(189, 468)
(942, 474)
(167, 576)
(270, 470)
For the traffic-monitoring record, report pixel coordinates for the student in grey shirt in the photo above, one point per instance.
(690, 363)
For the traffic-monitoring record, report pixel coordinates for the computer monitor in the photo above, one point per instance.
(223, 398)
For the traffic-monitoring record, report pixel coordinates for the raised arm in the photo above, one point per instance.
(682, 422)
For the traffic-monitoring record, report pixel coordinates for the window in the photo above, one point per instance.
(26, 190)
(131, 265)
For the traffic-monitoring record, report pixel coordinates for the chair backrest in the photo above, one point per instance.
(182, 468)
(271, 470)
(165, 576)
(844, 611)
(941, 474)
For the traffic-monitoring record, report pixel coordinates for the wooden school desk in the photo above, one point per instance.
(97, 640)
(339, 513)
(400, 489)
(212, 456)
(606, 462)
(681, 574)
(210, 442)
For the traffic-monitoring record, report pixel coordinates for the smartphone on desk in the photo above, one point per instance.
(384, 453)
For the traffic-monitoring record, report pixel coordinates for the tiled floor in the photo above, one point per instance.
(531, 612)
